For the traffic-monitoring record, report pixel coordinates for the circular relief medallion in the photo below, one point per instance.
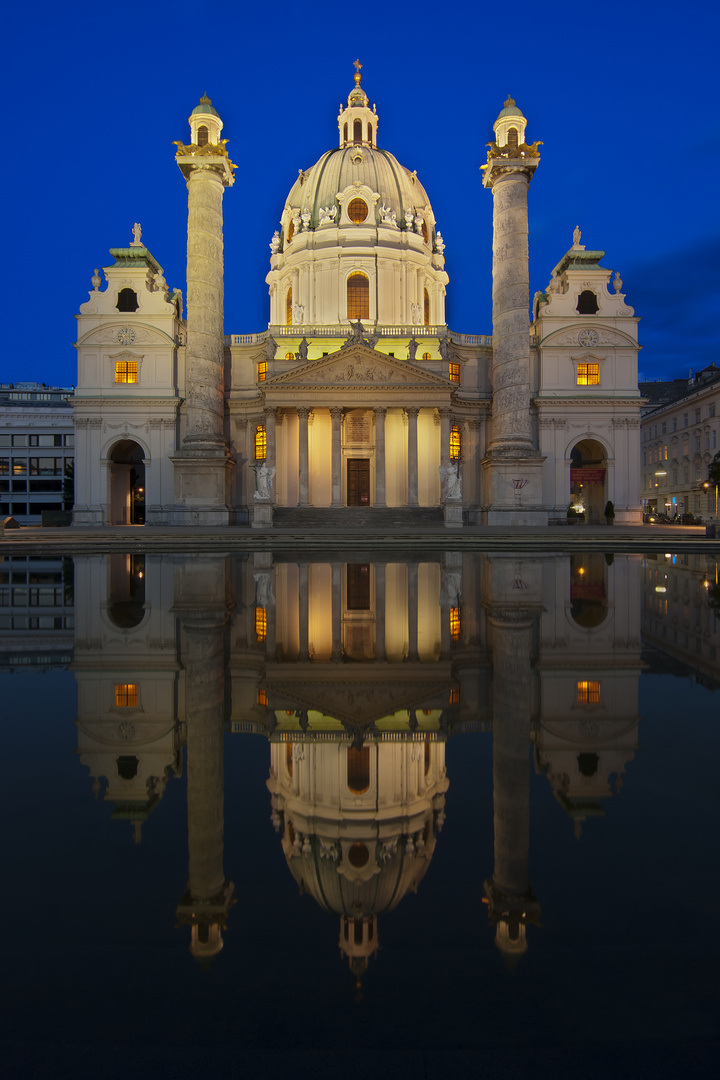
(125, 730)
(126, 335)
(588, 338)
(588, 728)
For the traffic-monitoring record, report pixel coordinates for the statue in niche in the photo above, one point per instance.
(413, 346)
(265, 477)
(275, 243)
(270, 347)
(302, 353)
(450, 484)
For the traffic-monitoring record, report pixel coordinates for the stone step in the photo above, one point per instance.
(352, 517)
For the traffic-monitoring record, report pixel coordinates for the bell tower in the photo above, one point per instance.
(203, 464)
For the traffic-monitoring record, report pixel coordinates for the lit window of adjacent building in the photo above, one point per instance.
(454, 696)
(126, 695)
(262, 371)
(588, 374)
(260, 443)
(357, 211)
(260, 623)
(358, 297)
(262, 698)
(454, 372)
(588, 693)
(455, 443)
(455, 624)
(126, 371)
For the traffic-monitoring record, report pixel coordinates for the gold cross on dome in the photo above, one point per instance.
(357, 65)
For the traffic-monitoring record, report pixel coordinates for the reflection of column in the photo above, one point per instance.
(208, 896)
(512, 903)
(336, 610)
(303, 465)
(412, 414)
(412, 610)
(444, 437)
(303, 609)
(379, 611)
(336, 454)
(270, 455)
(380, 457)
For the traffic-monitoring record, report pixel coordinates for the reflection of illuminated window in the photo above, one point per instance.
(289, 767)
(262, 371)
(588, 374)
(262, 698)
(358, 769)
(454, 698)
(358, 587)
(126, 695)
(260, 623)
(455, 443)
(260, 443)
(358, 297)
(588, 693)
(126, 371)
(455, 623)
(454, 372)
(427, 755)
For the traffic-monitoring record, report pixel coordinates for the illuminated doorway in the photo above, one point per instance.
(588, 481)
(358, 481)
(127, 484)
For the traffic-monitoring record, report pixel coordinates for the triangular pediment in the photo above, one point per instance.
(359, 366)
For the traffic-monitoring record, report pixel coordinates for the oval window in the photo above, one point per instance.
(358, 855)
(358, 211)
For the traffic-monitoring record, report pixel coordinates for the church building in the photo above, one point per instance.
(358, 396)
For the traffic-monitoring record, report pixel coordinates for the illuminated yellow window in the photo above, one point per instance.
(426, 298)
(426, 356)
(260, 443)
(425, 234)
(291, 231)
(454, 372)
(358, 297)
(262, 698)
(288, 307)
(262, 371)
(588, 693)
(455, 443)
(455, 623)
(126, 695)
(260, 623)
(588, 374)
(126, 371)
(357, 211)
(454, 698)
(289, 355)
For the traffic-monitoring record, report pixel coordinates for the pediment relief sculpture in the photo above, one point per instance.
(357, 365)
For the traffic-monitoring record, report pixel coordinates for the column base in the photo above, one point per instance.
(453, 514)
(513, 490)
(202, 490)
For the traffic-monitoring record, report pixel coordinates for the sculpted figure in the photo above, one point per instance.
(306, 218)
(275, 243)
(412, 348)
(137, 233)
(576, 236)
(265, 477)
(327, 214)
(450, 484)
(439, 242)
(303, 349)
(444, 348)
(409, 218)
(415, 313)
(270, 347)
(298, 314)
(387, 216)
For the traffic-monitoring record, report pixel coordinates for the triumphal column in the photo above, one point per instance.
(512, 465)
(203, 463)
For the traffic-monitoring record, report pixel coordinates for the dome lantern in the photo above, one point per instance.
(357, 122)
(510, 125)
(205, 123)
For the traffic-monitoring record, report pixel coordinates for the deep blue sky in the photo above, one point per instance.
(624, 98)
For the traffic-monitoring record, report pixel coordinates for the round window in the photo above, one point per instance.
(357, 211)
(358, 855)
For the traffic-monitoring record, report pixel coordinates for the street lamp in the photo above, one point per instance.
(708, 485)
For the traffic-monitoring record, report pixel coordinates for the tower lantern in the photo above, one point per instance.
(357, 122)
(205, 124)
(510, 125)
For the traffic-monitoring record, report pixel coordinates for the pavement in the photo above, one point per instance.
(28, 540)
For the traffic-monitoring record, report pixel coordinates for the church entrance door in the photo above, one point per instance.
(127, 484)
(358, 481)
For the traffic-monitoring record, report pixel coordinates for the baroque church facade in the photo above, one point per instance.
(358, 395)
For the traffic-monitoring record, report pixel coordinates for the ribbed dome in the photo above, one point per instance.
(205, 108)
(510, 109)
(398, 188)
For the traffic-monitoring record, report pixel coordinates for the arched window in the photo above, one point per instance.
(358, 297)
(262, 371)
(426, 356)
(512, 139)
(455, 443)
(288, 307)
(260, 443)
(426, 304)
(127, 300)
(127, 767)
(291, 231)
(425, 234)
(588, 763)
(358, 769)
(202, 136)
(357, 211)
(587, 303)
(345, 133)
(370, 134)
(357, 131)
(289, 355)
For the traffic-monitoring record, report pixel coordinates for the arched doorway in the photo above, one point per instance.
(588, 481)
(127, 483)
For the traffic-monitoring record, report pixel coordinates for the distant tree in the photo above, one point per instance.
(714, 469)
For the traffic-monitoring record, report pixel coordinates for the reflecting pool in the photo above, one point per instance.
(393, 815)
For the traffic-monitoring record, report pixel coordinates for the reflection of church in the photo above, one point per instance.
(358, 395)
(357, 673)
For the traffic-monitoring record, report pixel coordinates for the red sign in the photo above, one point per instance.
(587, 476)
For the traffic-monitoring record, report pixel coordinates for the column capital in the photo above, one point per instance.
(303, 412)
(412, 411)
(379, 410)
(336, 412)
